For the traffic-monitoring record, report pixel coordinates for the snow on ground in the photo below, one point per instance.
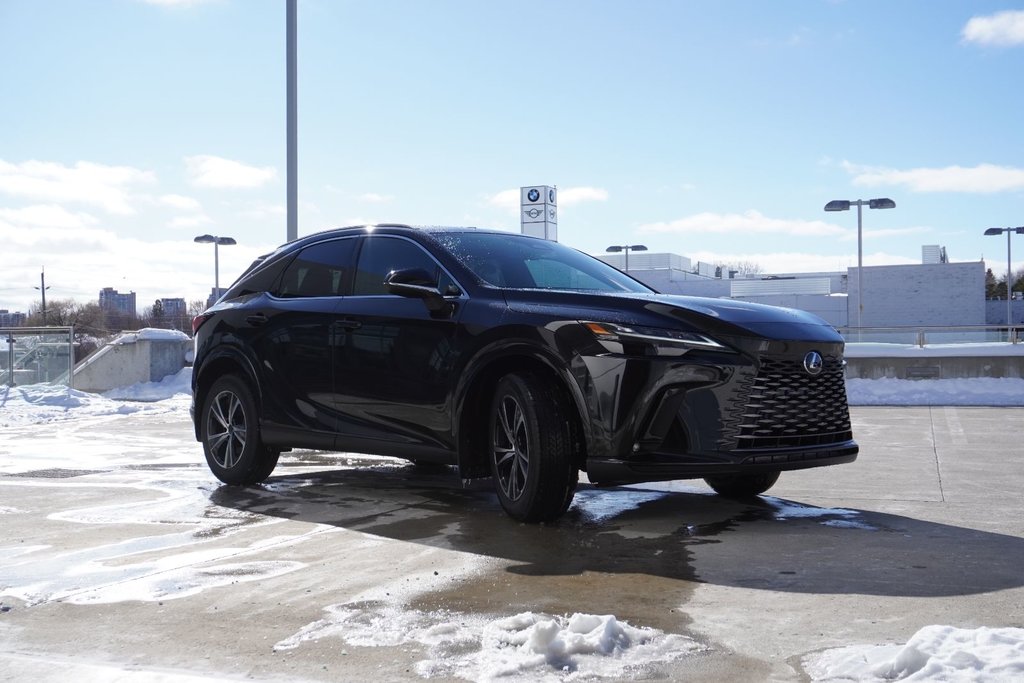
(935, 653)
(539, 647)
(523, 647)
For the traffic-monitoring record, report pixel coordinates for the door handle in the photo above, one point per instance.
(347, 324)
(256, 319)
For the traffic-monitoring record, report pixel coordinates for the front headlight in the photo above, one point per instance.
(632, 339)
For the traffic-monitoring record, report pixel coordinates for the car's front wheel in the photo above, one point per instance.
(230, 434)
(742, 485)
(532, 446)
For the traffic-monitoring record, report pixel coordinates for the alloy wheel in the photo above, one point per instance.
(511, 451)
(225, 429)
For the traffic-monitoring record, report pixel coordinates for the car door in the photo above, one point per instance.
(295, 328)
(392, 356)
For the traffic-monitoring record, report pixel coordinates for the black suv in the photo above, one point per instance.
(509, 357)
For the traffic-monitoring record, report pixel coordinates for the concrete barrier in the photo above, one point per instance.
(148, 355)
(949, 361)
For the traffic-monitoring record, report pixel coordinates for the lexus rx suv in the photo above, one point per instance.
(509, 357)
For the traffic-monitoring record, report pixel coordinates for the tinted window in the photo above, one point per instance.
(319, 270)
(381, 255)
(526, 263)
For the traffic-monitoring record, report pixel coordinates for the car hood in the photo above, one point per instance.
(769, 321)
(714, 316)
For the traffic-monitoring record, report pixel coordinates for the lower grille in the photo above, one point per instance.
(783, 406)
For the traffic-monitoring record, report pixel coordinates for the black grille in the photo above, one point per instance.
(783, 406)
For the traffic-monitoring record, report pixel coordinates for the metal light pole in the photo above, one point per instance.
(216, 242)
(1009, 271)
(625, 248)
(844, 205)
(291, 21)
(42, 290)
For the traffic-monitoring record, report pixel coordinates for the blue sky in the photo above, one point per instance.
(713, 130)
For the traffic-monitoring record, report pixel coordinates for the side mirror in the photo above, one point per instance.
(419, 284)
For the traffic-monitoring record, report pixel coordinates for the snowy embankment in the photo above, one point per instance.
(542, 647)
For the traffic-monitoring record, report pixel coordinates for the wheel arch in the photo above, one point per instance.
(223, 364)
(474, 402)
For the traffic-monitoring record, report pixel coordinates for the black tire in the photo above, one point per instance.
(532, 444)
(742, 485)
(229, 430)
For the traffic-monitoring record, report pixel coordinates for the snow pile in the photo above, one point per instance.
(44, 403)
(151, 334)
(962, 350)
(935, 653)
(975, 391)
(527, 646)
(171, 385)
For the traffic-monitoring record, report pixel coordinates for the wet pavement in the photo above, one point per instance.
(120, 554)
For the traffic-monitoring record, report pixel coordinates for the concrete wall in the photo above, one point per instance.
(930, 294)
(995, 312)
(945, 367)
(126, 363)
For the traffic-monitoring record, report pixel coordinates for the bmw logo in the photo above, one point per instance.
(533, 195)
(813, 363)
(551, 196)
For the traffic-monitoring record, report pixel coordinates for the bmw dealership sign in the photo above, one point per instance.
(539, 211)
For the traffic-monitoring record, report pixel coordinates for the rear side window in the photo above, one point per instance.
(381, 255)
(321, 269)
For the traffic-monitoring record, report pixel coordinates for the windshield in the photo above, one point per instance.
(520, 262)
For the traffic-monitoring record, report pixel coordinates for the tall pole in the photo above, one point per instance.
(42, 290)
(627, 259)
(860, 268)
(1010, 295)
(216, 268)
(292, 107)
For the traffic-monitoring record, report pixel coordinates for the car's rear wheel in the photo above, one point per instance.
(742, 485)
(532, 446)
(230, 434)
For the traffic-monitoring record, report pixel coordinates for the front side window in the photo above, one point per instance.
(380, 255)
(319, 270)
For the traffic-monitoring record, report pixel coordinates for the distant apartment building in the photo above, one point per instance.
(214, 295)
(9, 319)
(113, 301)
(174, 313)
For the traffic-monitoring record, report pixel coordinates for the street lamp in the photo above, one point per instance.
(844, 205)
(42, 290)
(216, 242)
(1009, 272)
(625, 248)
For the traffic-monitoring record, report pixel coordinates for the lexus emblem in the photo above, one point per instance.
(813, 363)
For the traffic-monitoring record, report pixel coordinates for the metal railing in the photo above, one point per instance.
(923, 335)
(34, 355)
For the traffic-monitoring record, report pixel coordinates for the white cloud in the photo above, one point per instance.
(182, 203)
(205, 170)
(982, 179)
(96, 184)
(46, 216)
(374, 198)
(1000, 29)
(506, 199)
(745, 223)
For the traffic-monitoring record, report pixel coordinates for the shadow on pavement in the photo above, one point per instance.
(685, 536)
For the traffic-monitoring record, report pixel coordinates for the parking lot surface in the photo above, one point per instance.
(121, 558)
